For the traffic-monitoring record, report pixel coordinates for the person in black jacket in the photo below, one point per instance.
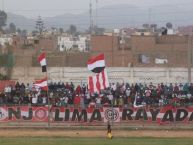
(108, 128)
(109, 134)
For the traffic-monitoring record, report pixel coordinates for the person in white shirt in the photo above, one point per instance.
(110, 98)
(44, 100)
(34, 100)
(98, 102)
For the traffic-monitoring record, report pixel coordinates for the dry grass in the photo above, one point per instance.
(93, 133)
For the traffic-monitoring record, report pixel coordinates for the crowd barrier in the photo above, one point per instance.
(89, 116)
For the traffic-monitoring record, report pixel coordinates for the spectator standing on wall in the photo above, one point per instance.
(110, 98)
(92, 104)
(77, 101)
(82, 98)
(185, 88)
(98, 102)
(191, 89)
(66, 101)
(83, 88)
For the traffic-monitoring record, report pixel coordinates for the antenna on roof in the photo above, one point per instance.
(96, 21)
(91, 18)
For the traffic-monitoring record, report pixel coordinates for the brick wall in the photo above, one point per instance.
(172, 47)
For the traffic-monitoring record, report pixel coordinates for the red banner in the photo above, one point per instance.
(3, 114)
(162, 116)
(25, 113)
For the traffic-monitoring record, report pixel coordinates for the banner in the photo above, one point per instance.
(70, 115)
(161, 61)
(161, 116)
(25, 113)
(3, 114)
(112, 115)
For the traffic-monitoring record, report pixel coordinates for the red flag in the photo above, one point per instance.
(43, 84)
(42, 61)
(96, 64)
(98, 82)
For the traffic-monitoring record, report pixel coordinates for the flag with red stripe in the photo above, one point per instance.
(42, 61)
(96, 64)
(43, 84)
(98, 82)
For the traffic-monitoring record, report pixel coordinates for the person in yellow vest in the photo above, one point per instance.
(109, 134)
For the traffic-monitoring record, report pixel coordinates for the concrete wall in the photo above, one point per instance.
(78, 75)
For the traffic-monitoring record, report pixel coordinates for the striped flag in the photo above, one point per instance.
(42, 61)
(98, 82)
(43, 84)
(96, 64)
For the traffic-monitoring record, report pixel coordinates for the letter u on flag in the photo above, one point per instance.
(43, 84)
(42, 61)
(96, 64)
(98, 82)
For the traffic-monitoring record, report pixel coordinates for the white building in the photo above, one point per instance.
(5, 40)
(170, 31)
(66, 43)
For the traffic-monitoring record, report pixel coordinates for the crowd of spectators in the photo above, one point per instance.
(118, 94)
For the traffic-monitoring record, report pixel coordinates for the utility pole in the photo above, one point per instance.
(96, 20)
(123, 46)
(149, 16)
(189, 57)
(91, 18)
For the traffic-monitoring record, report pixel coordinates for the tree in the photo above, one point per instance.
(19, 31)
(3, 19)
(34, 32)
(24, 33)
(61, 30)
(164, 31)
(72, 30)
(40, 25)
(169, 25)
(12, 28)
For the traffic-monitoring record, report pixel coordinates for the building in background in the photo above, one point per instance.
(6, 39)
(67, 43)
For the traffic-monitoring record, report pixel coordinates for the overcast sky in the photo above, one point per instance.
(49, 8)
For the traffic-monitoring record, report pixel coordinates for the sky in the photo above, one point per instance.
(50, 8)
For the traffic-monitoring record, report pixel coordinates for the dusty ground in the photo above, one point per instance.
(93, 133)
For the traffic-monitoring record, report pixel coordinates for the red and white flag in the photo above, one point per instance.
(42, 61)
(43, 84)
(96, 64)
(98, 82)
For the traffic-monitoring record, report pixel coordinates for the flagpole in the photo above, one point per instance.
(49, 109)
(43, 63)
